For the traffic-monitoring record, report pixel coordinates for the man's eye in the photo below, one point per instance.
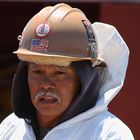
(60, 73)
(37, 71)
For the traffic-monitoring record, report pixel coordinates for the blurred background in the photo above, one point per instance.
(123, 14)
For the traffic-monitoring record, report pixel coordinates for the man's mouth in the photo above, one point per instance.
(47, 97)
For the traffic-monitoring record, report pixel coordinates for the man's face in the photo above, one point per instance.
(52, 89)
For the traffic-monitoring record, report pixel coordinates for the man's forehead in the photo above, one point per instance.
(35, 65)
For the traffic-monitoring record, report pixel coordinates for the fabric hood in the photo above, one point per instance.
(115, 53)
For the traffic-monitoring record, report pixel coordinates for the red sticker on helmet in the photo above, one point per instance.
(42, 30)
(39, 45)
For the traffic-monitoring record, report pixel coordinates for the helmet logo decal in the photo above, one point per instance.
(89, 30)
(91, 39)
(42, 30)
(39, 45)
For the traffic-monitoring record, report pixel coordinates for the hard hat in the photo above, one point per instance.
(58, 35)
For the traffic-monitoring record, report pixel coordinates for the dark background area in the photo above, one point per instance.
(124, 16)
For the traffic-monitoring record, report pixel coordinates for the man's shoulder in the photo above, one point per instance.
(109, 126)
(12, 119)
(10, 124)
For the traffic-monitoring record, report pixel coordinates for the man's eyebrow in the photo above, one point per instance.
(33, 65)
(61, 67)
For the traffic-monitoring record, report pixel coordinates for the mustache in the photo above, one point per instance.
(45, 94)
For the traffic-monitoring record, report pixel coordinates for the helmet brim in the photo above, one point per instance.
(48, 59)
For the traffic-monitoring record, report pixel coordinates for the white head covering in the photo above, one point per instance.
(114, 51)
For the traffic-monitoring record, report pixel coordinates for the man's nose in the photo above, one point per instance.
(47, 83)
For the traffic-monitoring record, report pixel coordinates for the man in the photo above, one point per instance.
(67, 75)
